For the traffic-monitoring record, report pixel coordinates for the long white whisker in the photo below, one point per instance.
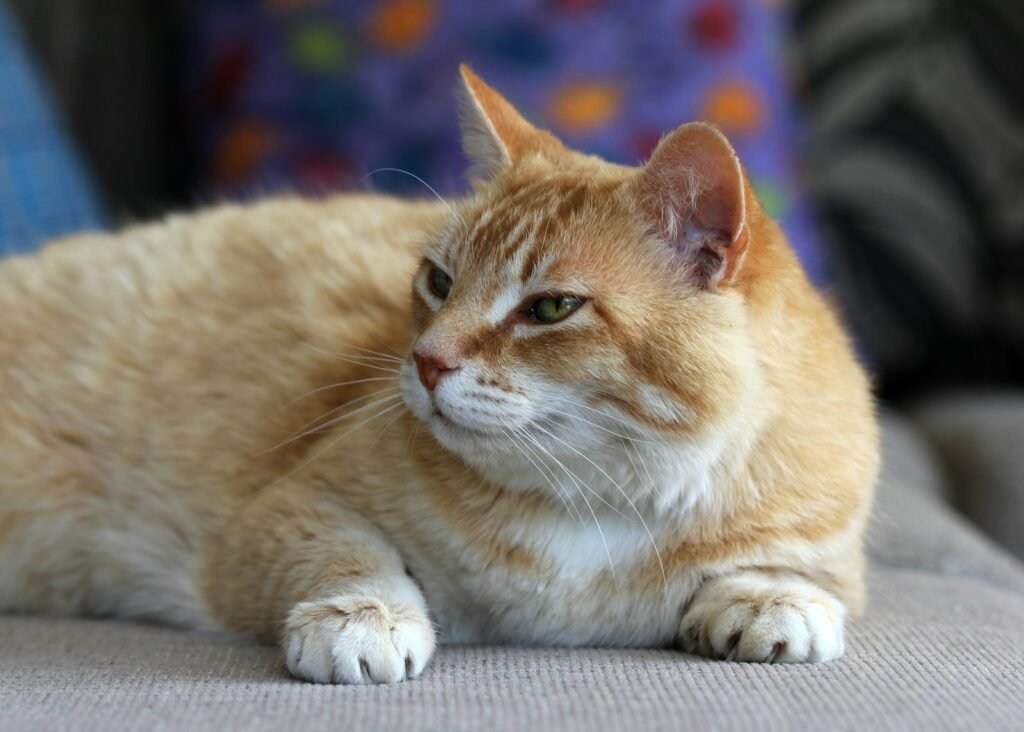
(338, 357)
(522, 434)
(573, 477)
(336, 386)
(375, 354)
(558, 491)
(597, 426)
(329, 423)
(597, 522)
(411, 175)
(340, 407)
(654, 544)
(650, 478)
(329, 446)
(385, 429)
(412, 436)
(589, 408)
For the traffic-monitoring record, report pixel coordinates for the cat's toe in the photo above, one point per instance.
(343, 640)
(762, 619)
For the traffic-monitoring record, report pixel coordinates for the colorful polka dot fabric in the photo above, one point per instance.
(315, 95)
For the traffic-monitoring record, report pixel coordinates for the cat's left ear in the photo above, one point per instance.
(494, 135)
(693, 190)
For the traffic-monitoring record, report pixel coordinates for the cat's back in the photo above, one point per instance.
(168, 330)
(250, 252)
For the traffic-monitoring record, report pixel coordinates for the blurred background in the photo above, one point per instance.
(886, 135)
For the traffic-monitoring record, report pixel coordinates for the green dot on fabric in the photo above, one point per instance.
(320, 47)
(772, 196)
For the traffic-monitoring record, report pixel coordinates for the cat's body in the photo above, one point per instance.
(715, 441)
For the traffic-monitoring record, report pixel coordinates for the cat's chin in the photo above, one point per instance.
(491, 452)
(447, 427)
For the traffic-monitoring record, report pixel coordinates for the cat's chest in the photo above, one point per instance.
(569, 583)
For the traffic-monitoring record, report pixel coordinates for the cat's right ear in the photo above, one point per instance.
(494, 135)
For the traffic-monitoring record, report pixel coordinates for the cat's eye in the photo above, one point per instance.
(552, 309)
(440, 283)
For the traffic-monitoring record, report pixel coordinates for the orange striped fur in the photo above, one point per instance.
(246, 419)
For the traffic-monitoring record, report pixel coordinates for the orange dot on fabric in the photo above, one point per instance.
(241, 151)
(581, 108)
(401, 25)
(734, 107)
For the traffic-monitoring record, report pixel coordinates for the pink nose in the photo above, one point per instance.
(432, 367)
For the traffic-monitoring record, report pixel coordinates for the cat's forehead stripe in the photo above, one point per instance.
(522, 224)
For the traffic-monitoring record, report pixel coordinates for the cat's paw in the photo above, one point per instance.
(347, 640)
(763, 619)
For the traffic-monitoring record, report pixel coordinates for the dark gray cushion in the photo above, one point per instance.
(981, 442)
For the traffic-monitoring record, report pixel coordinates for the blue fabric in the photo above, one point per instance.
(44, 191)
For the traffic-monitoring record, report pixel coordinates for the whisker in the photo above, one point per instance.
(340, 407)
(335, 386)
(597, 426)
(377, 356)
(558, 491)
(411, 175)
(572, 476)
(577, 483)
(650, 478)
(540, 459)
(329, 423)
(316, 455)
(384, 429)
(412, 436)
(589, 408)
(597, 522)
(339, 357)
(654, 545)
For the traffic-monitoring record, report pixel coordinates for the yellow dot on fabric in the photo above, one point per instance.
(401, 25)
(320, 47)
(241, 150)
(582, 108)
(734, 107)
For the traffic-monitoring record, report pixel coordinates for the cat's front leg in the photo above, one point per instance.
(324, 582)
(763, 616)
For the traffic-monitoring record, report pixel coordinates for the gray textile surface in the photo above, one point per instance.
(942, 647)
(981, 440)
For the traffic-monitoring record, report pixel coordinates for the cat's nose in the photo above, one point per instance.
(432, 366)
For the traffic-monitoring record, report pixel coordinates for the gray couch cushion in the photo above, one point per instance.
(942, 647)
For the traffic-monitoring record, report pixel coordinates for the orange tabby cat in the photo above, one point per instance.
(610, 411)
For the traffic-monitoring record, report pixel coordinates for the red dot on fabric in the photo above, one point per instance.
(321, 171)
(715, 25)
(227, 76)
(577, 5)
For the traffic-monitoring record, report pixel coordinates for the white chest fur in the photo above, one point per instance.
(582, 589)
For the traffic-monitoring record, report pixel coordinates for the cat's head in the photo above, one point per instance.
(581, 326)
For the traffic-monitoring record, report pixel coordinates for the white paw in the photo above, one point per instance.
(764, 619)
(346, 640)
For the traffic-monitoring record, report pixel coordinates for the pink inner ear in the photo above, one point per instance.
(693, 187)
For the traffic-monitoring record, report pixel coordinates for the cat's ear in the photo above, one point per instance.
(494, 135)
(694, 192)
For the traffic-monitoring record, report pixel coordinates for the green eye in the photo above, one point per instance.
(440, 283)
(553, 309)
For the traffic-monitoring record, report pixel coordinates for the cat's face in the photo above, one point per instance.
(562, 343)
